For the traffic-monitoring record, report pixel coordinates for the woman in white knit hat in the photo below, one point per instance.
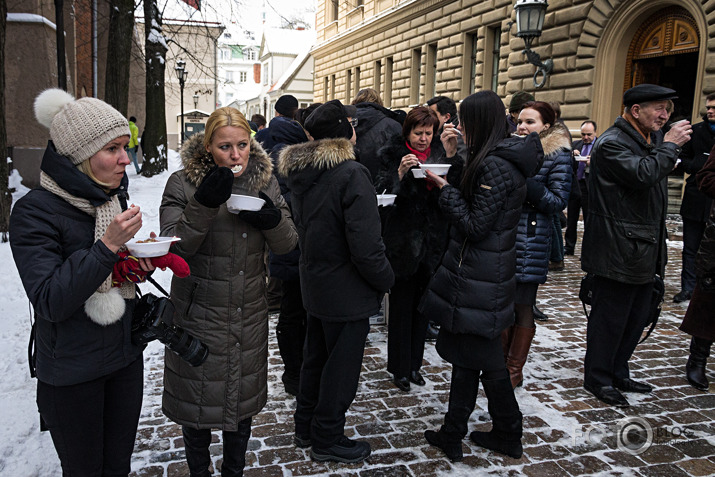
(65, 236)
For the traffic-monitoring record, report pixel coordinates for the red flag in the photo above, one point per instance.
(193, 3)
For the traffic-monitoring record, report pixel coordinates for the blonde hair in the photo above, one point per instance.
(86, 169)
(367, 95)
(224, 117)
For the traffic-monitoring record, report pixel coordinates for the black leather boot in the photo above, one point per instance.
(505, 436)
(462, 398)
(695, 368)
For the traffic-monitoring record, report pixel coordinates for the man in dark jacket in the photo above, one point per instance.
(344, 274)
(695, 208)
(446, 110)
(624, 239)
(578, 200)
(375, 126)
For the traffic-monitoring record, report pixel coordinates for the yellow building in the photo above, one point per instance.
(411, 50)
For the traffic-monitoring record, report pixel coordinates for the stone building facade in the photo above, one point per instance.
(411, 50)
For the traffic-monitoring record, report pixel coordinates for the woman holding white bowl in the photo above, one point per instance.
(415, 235)
(223, 301)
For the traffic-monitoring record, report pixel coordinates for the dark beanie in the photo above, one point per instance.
(519, 99)
(329, 121)
(286, 105)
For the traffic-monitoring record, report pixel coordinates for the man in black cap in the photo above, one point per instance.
(624, 235)
(344, 274)
(285, 108)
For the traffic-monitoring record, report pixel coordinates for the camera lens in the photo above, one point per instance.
(186, 346)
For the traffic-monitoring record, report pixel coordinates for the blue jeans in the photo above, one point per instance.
(133, 156)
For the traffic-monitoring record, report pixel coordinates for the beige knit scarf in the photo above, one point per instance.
(103, 214)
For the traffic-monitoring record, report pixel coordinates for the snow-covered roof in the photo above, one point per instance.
(288, 74)
(287, 42)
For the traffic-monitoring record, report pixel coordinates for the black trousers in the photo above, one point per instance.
(576, 204)
(619, 313)
(93, 425)
(197, 442)
(693, 231)
(407, 327)
(290, 329)
(332, 360)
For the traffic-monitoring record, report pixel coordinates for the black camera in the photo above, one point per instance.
(154, 319)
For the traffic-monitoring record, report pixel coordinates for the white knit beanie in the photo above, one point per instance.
(79, 128)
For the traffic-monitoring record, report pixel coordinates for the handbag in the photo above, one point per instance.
(585, 294)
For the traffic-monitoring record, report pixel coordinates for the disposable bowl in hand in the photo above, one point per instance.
(385, 199)
(438, 169)
(418, 173)
(158, 248)
(238, 202)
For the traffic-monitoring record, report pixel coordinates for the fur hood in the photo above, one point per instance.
(323, 154)
(198, 162)
(555, 138)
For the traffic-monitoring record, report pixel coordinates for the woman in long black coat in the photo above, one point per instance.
(472, 292)
(699, 321)
(415, 234)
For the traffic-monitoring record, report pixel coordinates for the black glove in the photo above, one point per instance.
(534, 191)
(215, 189)
(265, 219)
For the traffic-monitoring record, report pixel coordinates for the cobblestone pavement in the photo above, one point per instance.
(566, 430)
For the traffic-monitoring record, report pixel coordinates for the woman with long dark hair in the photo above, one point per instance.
(547, 193)
(415, 234)
(472, 292)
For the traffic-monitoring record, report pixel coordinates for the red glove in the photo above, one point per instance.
(128, 268)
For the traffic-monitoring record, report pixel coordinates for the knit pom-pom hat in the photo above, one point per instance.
(79, 128)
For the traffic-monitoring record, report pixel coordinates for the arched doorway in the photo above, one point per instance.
(664, 51)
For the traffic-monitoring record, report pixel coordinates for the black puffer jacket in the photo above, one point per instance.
(472, 292)
(696, 205)
(61, 266)
(547, 193)
(343, 270)
(376, 126)
(627, 200)
(414, 229)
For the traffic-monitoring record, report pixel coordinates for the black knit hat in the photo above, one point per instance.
(286, 105)
(329, 121)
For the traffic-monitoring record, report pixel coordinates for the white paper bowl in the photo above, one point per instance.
(418, 173)
(151, 249)
(385, 199)
(238, 202)
(439, 169)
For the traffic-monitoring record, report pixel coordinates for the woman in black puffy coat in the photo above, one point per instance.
(415, 235)
(472, 292)
(547, 193)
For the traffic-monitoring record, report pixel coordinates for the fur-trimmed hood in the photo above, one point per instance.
(555, 138)
(302, 163)
(198, 162)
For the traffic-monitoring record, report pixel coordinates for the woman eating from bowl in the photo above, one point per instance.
(547, 193)
(415, 235)
(472, 292)
(65, 238)
(223, 302)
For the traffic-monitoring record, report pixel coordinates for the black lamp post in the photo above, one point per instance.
(530, 23)
(181, 74)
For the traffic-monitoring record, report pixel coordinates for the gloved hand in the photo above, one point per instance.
(215, 189)
(534, 191)
(265, 219)
(127, 269)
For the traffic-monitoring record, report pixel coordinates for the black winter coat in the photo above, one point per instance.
(376, 126)
(415, 230)
(696, 205)
(547, 193)
(472, 291)
(628, 201)
(61, 265)
(343, 269)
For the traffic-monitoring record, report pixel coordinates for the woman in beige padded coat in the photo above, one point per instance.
(223, 301)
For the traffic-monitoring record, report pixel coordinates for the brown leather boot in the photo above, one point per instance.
(518, 352)
(506, 337)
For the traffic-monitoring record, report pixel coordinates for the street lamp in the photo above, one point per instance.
(181, 74)
(529, 24)
(196, 101)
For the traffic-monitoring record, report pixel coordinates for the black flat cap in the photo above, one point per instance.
(644, 93)
(329, 121)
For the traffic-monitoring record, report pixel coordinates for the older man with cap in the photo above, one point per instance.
(344, 274)
(624, 235)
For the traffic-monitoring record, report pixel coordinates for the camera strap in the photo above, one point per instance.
(158, 287)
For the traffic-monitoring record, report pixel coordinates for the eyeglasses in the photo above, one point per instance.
(354, 122)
